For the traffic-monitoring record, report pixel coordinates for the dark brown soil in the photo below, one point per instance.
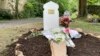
(32, 46)
(85, 46)
(39, 46)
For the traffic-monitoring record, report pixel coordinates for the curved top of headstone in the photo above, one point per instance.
(51, 5)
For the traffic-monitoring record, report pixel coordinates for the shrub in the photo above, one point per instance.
(34, 8)
(94, 9)
(5, 14)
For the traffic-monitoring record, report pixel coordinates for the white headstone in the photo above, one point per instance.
(50, 15)
(51, 21)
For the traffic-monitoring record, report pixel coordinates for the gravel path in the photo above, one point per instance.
(12, 23)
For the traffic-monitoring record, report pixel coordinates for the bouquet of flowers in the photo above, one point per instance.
(57, 35)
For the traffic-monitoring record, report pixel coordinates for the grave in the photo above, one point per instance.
(51, 21)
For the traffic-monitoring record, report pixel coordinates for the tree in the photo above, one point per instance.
(82, 8)
(16, 9)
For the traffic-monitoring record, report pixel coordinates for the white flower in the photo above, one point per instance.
(58, 34)
(59, 37)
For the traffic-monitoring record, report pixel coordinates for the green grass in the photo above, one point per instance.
(87, 27)
(13, 33)
(4, 21)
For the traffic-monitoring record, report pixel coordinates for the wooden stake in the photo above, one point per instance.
(58, 49)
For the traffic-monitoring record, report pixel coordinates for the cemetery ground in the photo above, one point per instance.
(86, 46)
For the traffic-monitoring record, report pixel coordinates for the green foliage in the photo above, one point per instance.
(63, 5)
(94, 9)
(5, 14)
(70, 5)
(34, 8)
(96, 16)
(93, 2)
(74, 15)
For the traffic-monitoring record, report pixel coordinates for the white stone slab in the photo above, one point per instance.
(50, 15)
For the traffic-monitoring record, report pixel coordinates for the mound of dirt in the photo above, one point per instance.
(87, 45)
(31, 46)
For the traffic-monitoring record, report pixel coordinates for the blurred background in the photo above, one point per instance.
(18, 9)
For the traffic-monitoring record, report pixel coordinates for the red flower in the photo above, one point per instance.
(64, 21)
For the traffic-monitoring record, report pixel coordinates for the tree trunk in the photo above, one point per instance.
(16, 9)
(82, 8)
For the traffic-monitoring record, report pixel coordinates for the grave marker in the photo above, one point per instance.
(50, 15)
(51, 21)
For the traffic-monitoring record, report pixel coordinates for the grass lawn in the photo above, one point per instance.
(13, 33)
(87, 27)
(2, 21)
